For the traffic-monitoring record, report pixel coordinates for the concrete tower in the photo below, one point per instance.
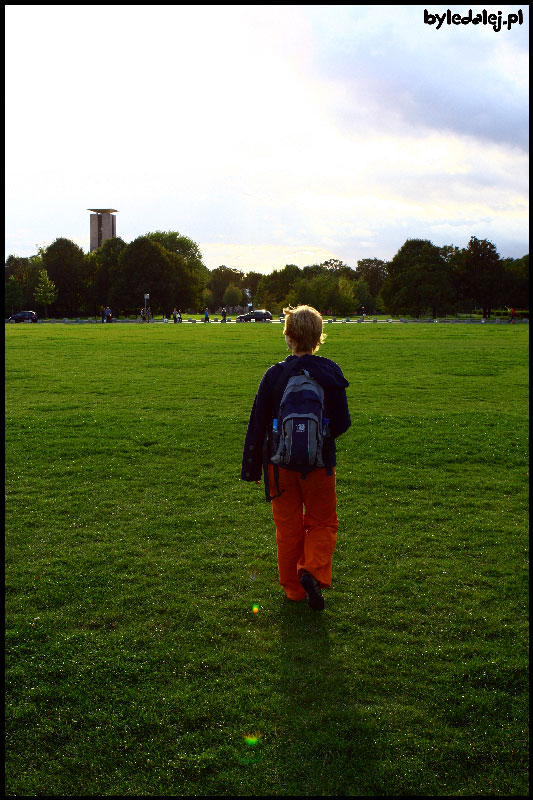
(103, 226)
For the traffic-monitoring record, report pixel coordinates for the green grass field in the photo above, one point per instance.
(134, 554)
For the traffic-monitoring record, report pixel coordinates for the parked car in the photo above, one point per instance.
(259, 316)
(22, 316)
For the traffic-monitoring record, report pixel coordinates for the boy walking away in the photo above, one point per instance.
(298, 412)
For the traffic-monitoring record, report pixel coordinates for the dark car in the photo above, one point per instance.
(258, 316)
(23, 316)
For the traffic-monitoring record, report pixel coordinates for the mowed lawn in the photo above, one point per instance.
(134, 556)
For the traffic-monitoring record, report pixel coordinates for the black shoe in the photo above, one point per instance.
(312, 590)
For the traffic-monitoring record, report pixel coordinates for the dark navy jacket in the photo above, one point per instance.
(329, 376)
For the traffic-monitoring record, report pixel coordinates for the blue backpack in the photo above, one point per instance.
(299, 431)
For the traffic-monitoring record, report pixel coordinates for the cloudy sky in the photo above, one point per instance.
(268, 134)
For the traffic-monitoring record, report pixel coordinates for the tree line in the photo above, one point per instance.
(421, 278)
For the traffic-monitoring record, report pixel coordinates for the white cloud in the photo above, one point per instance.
(390, 70)
(314, 128)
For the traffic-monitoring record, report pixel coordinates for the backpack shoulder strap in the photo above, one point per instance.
(287, 371)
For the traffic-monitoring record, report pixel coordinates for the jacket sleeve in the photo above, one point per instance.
(260, 418)
(337, 410)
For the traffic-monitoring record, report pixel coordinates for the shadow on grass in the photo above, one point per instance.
(323, 740)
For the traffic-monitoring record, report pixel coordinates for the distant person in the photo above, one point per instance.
(206, 315)
(175, 315)
(513, 316)
(143, 315)
(179, 316)
(149, 313)
(224, 315)
(300, 477)
(108, 315)
(102, 314)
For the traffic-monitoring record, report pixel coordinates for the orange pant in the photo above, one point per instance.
(306, 527)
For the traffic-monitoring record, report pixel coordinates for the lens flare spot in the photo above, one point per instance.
(252, 754)
(255, 608)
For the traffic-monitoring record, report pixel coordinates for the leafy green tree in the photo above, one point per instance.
(104, 268)
(516, 282)
(449, 252)
(25, 269)
(436, 290)
(362, 297)
(208, 299)
(266, 299)
(302, 293)
(418, 279)
(219, 280)
(233, 296)
(190, 252)
(315, 270)
(324, 286)
(145, 266)
(327, 288)
(250, 282)
(274, 288)
(345, 301)
(13, 295)
(479, 275)
(45, 291)
(373, 271)
(67, 267)
(194, 275)
(14, 265)
(183, 246)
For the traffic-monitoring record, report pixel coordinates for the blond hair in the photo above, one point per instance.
(304, 327)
